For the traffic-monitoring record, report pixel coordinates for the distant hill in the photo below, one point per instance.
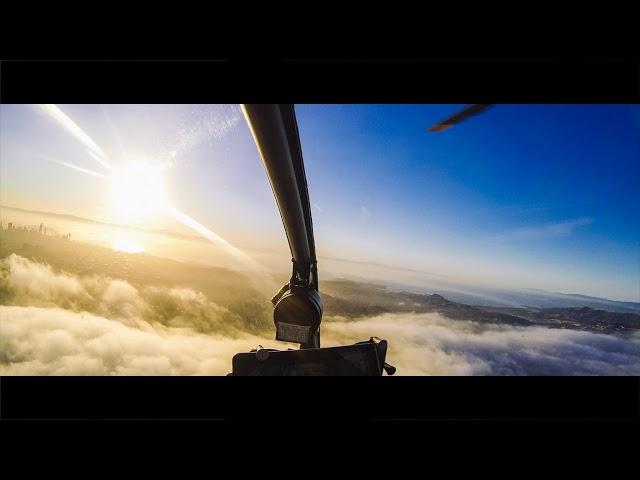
(580, 318)
(594, 319)
(577, 300)
(342, 298)
(352, 300)
(534, 298)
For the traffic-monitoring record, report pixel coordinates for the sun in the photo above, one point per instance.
(137, 191)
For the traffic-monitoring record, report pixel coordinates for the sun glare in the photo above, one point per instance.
(137, 191)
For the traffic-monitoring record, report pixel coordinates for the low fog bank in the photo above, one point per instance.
(27, 283)
(55, 323)
(53, 341)
(430, 344)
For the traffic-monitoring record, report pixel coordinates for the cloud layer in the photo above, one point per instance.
(27, 283)
(52, 323)
(53, 341)
(429, 344)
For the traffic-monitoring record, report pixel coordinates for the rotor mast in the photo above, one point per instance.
(275, 131)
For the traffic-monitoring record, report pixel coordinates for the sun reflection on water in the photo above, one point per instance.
(128, 245)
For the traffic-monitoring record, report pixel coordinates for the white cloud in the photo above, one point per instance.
(429, 344)
(53, 323)
(53, 341)
(29, 282)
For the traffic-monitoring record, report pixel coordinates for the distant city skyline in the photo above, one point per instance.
(527, 196)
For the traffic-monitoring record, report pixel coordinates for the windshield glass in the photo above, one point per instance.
(145, 239)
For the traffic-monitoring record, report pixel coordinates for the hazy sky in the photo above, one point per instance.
(540, 196)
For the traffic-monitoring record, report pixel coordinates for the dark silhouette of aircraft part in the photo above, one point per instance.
(361, 359)
(297, 305)
(459, 117)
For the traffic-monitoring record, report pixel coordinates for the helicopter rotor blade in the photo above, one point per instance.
(459, 117)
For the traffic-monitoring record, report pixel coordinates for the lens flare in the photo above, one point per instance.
(65, 122)
(77, 168)
(213, 237)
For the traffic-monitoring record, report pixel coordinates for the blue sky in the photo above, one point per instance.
(541, 196)
(527, 194)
